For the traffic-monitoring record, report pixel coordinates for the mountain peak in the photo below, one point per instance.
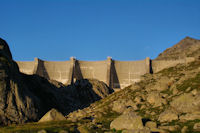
(185, 48)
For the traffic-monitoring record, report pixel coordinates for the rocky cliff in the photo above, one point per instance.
(25, 98)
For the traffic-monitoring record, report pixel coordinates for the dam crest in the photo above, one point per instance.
(116, 74)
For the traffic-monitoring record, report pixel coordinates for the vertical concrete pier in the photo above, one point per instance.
(36, 62)
(71, 71)
(108, 76)
(148, 65)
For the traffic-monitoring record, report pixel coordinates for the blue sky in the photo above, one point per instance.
(94, 29)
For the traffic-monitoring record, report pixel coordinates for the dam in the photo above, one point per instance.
(116, 74)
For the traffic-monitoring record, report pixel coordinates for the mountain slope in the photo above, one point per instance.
(188, 47)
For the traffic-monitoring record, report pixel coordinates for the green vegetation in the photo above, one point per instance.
(193, 83)
(51, 127)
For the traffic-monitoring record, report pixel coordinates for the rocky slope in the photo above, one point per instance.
(167, 101)
(188, 47)
(25, 98)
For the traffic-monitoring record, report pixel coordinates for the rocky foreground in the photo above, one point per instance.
(168, 101)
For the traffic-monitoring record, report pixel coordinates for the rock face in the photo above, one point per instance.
(26, 98)
(52, 115)
(91, 90)
(155, 99)
(168, 116)
(128, 121)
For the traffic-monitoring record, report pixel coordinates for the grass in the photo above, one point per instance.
(193, 83)
(189, 124)
(50, 127)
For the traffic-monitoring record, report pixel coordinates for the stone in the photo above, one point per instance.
(52, 115)
(42, 131)
(63, 131)
(81, 114)
(188, 89)
(153, 113)
(131, 104)
(157, 130)
(119, 106)
(168, 116)
(196, 126)
(162, 84)
(189, 116)
(184, 129)
(155, 99)
(170, 128)
(151, 124)
(83, 129)
(186, 103)
(138, 99)
(135, 87)
(175, 91)
(143, 106)
(128, 121)
(129, 110)
(144, 130)
(194, 92)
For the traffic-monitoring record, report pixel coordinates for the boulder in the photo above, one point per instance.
(52, 115)
(184, 129)
(63, 131)
(170, 128)
(42, 131)
(119, 106)
(162, 84)
(83, 129)
(155, 99)
(151, 124)
(186, 103)
(188, 117)
(144, 130)
(129, 121)
(168, 116)
(196, 126)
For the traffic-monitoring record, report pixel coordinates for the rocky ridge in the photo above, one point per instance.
(188, 47)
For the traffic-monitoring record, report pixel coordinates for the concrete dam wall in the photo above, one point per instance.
(116, 74)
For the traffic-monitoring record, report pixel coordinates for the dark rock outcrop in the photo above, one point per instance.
(91, 90)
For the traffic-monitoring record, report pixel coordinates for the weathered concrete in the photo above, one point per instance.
(158, 65)
(127, 72)
(116, 74)
(26, 66)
